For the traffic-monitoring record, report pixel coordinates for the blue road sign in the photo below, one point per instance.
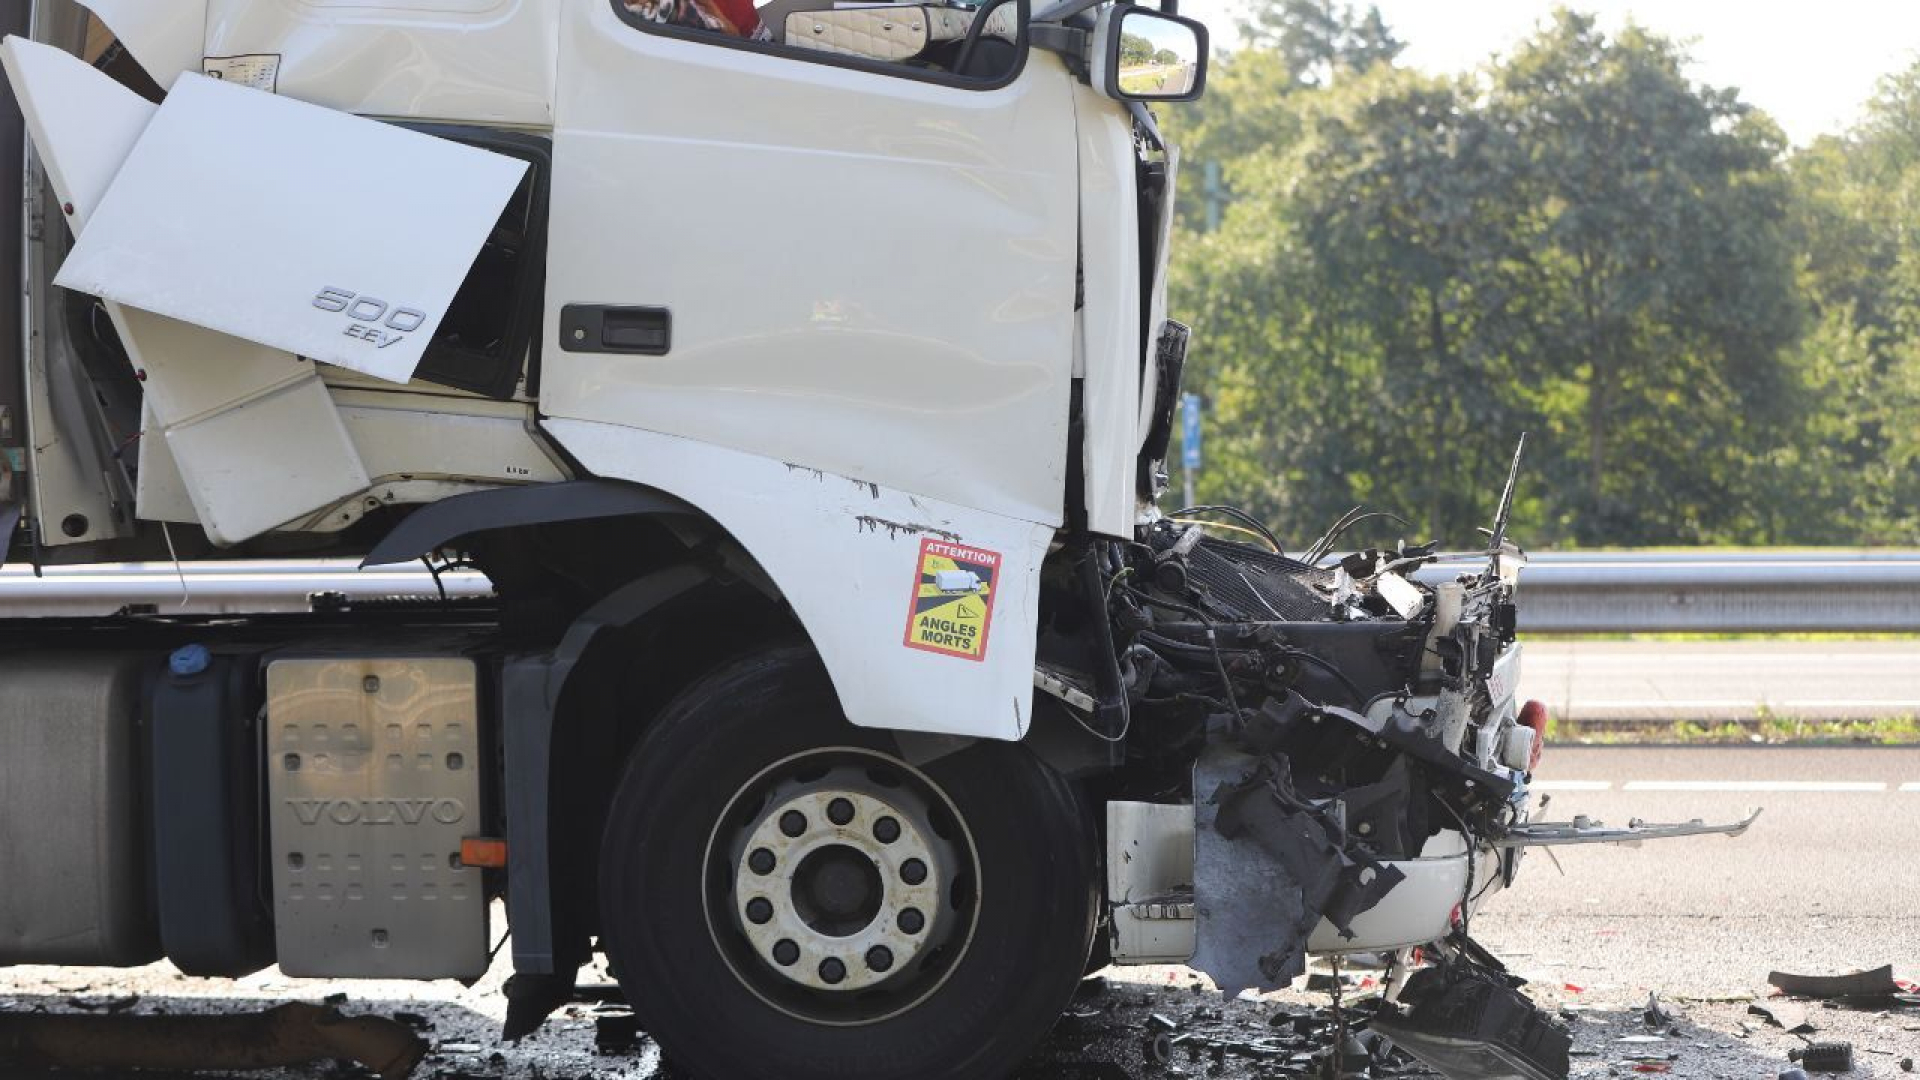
(1190, 430)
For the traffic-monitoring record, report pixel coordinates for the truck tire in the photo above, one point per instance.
(783, 897)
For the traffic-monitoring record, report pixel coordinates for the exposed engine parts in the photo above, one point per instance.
(1329, 720)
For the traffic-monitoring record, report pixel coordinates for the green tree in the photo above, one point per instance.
(1855, 472)
(1317, 39)
(1578, 242)
(1661, 293)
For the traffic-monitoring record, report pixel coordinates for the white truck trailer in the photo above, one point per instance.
(802, 380)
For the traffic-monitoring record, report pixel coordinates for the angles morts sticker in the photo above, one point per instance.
(953, 600)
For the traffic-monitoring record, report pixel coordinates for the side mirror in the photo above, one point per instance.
(1140, 54)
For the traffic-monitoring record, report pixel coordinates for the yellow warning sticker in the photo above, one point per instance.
(952, 606)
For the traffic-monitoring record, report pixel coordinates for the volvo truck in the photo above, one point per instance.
(801, 378)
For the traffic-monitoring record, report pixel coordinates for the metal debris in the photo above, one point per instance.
(292, 1034)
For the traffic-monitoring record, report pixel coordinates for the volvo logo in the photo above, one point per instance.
(378, 811)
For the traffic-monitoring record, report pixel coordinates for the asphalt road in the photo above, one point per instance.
(1667, 681)
(1827, 881)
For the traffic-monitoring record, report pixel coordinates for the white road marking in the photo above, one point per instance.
(1754, 785)
(1911, 786)
(1572, 785)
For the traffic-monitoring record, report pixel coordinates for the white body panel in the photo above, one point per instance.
(216, 400)
(164, 36)
(468, 61)
(1110, 319)
(1150, 857)
(868, 275)
(414, 447)
(845, 554)
(238, 209)
(1149, 846)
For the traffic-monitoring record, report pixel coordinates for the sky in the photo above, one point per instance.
(1812, 66)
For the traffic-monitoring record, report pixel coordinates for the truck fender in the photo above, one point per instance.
(546, 940)
(438, 524)
(924, 612)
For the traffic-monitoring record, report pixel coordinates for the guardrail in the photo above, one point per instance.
(1561, 592)
(1721, 592)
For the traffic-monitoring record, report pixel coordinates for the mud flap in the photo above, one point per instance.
(1268, 866)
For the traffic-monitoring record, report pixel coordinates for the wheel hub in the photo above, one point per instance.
(840, 883)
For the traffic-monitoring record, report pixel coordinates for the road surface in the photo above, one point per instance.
(1827, 881)
(1667, 681)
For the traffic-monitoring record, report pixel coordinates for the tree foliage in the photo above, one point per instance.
(1713, 340)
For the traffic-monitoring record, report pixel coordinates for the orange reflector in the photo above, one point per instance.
(483, 852)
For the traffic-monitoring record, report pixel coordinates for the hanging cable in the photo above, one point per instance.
(1239, 515)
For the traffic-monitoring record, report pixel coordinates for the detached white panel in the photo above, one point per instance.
(293, 226)
(253, 431)
(217, 402)
(847, 555)
(165, 36)
(83, 122)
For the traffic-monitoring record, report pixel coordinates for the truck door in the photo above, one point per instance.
(818, 246)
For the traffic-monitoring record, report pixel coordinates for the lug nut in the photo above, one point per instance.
(761, 861)
(912, 922)
(880, 958)
(832, 971)
(793, 823)
(785, 953)
(840, 811)
(759, 911)
(886, 830)
(913, 872)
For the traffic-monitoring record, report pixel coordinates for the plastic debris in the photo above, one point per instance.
(1877, 983)
(1785, 1015)
(616, 1034)
(1827, 1057)
(1655, 1015)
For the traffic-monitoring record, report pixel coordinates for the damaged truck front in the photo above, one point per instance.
(802, 381)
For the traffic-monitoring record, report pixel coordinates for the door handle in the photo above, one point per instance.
(602, 328)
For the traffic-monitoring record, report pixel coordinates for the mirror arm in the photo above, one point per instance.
(1143, 117)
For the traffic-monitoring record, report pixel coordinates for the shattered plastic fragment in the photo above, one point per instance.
(1878, 983)
(1783, 1014)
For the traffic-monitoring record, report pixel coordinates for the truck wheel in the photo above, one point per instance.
(783, 897)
